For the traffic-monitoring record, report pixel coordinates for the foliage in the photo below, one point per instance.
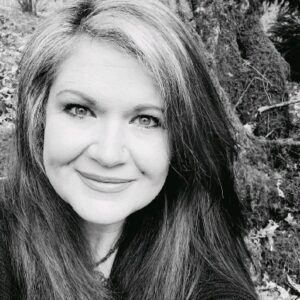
(14, 31)
(271, 193)
(29, 6)
(291, 5)
(13, 36)
(253, 75)
(285, 34)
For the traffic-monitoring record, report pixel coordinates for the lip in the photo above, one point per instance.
(104, 184)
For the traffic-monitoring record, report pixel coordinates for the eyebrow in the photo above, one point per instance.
(85, 97)
(142, 107)
(91, 101)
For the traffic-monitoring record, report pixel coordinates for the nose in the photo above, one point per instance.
(109, 147)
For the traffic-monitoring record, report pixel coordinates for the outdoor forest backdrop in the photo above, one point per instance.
(252, 50)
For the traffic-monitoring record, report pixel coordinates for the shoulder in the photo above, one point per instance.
(6, 279)
(216, 287)
(225, 291)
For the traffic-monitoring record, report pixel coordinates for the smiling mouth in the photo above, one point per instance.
(104, 184)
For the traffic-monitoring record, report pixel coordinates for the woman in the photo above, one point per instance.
(122, 184)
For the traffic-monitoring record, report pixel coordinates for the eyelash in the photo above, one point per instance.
(154, 119)
(69, 107)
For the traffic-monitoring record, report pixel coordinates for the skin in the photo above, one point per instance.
(106, 150)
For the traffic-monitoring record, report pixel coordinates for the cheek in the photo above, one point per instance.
(62, 143)
(152, 156)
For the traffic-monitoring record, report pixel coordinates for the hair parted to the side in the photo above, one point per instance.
(195, 223)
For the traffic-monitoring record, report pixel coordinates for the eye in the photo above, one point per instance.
(147, 121)
(78, 110)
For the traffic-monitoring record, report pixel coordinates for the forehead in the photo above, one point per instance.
(103, 70)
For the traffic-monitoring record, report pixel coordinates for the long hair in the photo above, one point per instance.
(194, 226)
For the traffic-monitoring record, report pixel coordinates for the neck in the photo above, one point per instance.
(102, 238)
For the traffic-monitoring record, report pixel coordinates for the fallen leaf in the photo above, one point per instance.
(269, 232)
(290, 219)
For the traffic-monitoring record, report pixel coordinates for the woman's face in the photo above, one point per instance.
(106, 150)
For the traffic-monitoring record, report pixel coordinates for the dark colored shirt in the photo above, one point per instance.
(215, 288)
(7, 288)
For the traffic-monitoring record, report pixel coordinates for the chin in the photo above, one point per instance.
(102, 217)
